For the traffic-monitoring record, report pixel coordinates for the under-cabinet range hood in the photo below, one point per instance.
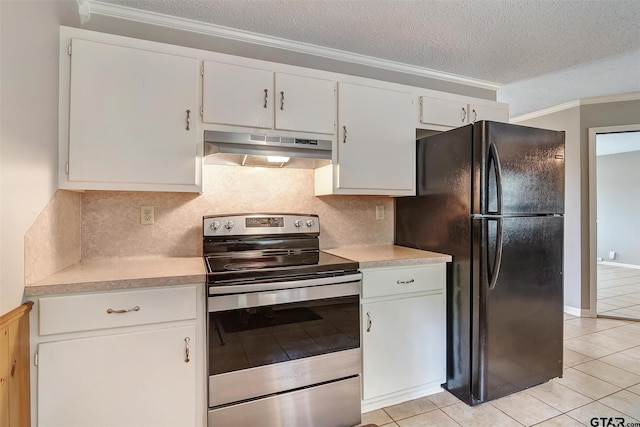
(252, 150)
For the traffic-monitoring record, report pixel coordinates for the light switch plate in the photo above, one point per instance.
(380, 212)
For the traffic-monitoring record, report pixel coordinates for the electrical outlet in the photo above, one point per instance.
(380, 212)
(146, 215)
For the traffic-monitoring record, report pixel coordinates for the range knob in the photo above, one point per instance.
(310, 223)
(214, 225)
(229, 225)
(297, 223)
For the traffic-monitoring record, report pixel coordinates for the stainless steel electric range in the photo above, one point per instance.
(283, 324)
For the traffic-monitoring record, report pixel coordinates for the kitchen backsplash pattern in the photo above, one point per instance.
(53, 241)
(111, 220)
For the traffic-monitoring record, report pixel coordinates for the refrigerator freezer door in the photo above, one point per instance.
(520, 313)
(518, 170)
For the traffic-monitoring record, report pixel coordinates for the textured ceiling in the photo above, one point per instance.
(501, 41)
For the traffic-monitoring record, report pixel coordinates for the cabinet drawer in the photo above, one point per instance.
(402, 280)
(75, 313)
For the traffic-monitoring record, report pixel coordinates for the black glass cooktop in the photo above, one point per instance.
(274, 265)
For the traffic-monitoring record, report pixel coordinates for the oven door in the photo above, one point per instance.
(277, 340)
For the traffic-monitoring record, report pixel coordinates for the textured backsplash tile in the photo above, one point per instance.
(53, 241)
(111, 220)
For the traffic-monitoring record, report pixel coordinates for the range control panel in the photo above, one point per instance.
(260, 224)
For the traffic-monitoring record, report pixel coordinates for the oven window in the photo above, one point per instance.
(246, 338)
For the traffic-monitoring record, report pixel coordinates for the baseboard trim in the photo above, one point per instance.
(400, 397)
(579, 312)
(619, 264)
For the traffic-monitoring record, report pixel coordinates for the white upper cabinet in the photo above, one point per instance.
(455, 113)
(305, 104)
(376, 143)
(496, 113)
(236, 95)
(133, 119)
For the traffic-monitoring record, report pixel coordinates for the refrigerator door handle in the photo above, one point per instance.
(497, 257)
(494, 158)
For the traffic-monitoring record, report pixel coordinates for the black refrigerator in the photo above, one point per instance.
(492, 196)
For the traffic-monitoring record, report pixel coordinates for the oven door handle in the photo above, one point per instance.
(271, 286)
(282, 296)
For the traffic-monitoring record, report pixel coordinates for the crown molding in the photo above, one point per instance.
(633, 96)
(116, 11)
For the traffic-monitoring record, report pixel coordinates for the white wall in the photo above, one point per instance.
(577, 121)
(569, 121)
(618, 177)
(29, 35)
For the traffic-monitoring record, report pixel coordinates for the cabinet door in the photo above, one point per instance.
(483, 112)
(237, 96)
(305, 104)
(402, 344)
(376, 139)
(129, 110)
(443, 112)
(133, 379)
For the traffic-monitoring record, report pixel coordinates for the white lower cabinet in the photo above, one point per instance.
(130, 358)
(131, 379)
(403, 334)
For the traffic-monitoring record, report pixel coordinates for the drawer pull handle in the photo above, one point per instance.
(187, 340)
(369, 322)
(282, 100)
(405, 282)
(188, 120)
(126, 310)
(266, 97)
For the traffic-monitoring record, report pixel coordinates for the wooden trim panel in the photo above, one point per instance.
(14, 367)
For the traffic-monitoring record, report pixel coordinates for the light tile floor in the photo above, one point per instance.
(601, 379)
(618, 291)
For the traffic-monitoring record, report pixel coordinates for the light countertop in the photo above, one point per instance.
(129, 273)
(369, 256)
(120, 273)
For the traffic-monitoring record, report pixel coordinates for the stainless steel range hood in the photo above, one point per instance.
(241, 145)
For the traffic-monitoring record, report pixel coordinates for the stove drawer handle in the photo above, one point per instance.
(369, 322)
(126, 310)
(405, 282)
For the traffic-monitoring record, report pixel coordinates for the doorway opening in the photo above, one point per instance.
(614, 190)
